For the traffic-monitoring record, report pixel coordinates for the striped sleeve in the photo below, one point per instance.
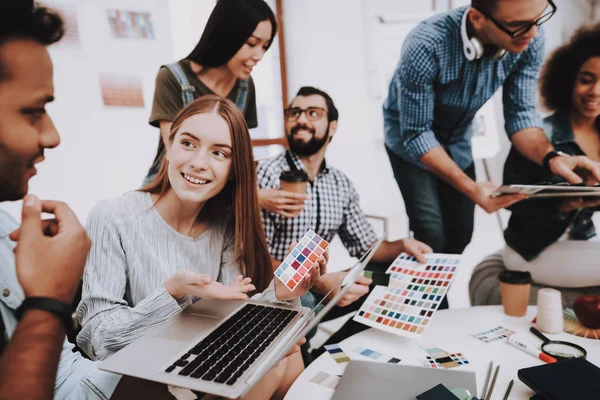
(108, 322)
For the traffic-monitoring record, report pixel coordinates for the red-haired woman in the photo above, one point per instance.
(193, 232)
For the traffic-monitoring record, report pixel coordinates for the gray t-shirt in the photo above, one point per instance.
(134, 252)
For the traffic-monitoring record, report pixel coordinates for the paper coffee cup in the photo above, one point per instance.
(293, 181)
(549, 316)
(514, 289)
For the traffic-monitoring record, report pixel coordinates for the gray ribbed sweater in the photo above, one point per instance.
(134, 251)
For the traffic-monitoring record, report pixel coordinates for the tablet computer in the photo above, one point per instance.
(549, 190)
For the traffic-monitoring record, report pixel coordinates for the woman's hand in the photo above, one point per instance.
(319, 268)
(193, 283)
(578, 203)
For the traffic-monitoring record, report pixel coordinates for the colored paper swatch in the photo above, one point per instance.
(337, 353)
(366, 274)
(325, 379)
(302, 258)
(439, 358)
(376, 356)
(372, 354)
(121, 90)
(415, 291)
(494, 334)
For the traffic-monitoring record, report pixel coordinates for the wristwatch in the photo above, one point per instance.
(553, 153)
(53, 306)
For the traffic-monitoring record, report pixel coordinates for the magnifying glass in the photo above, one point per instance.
(559, 349)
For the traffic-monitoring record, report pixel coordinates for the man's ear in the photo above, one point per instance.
(332, 129)
(477, 18)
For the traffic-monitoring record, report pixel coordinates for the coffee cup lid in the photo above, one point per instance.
(515, 277)
(293, 176)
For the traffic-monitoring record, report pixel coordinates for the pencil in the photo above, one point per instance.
(489, 395)
(487, 380)
(508, 389)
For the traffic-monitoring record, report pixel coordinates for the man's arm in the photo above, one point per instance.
(439, 162)
(416, 95)
(49, 257)
(29, 362)
(388, 251)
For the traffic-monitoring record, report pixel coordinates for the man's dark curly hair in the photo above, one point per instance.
(560, 71)
(22, 19)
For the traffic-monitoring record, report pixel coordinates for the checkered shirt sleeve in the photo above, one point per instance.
(519, 93)
(356, 232)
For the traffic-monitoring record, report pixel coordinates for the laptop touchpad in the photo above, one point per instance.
(185, 328)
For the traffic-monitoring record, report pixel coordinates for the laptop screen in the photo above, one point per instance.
(348, 279)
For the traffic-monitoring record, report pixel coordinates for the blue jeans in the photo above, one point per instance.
(438, 214)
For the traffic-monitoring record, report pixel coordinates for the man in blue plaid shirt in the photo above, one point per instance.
(330, 207)
(451, 64)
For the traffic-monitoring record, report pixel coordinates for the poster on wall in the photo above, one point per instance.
(68, 12)
(121, 90)
(130, 24)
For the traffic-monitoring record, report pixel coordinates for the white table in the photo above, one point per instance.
(450, 330)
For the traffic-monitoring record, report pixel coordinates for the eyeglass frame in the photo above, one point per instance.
(304, 111)
(526, 28)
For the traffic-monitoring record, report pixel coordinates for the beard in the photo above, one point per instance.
(309, 148)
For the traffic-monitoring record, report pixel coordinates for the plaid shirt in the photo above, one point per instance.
(435, 91)
(333, 208)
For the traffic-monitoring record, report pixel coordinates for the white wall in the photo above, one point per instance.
(104, 151)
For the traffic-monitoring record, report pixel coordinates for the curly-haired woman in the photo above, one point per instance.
(550, 238)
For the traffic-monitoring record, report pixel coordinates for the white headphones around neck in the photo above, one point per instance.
(472, 47)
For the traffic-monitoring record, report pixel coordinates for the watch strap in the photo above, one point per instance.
(53, 306)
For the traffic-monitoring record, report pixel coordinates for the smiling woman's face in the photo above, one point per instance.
(242, 63)
(200, 158)
(586, 91)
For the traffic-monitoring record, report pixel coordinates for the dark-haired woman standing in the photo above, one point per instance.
(235, 39)
(552, 238)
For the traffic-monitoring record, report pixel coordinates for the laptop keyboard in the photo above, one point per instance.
(227, 352)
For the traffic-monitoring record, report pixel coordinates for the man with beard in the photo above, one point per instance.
(330, 206)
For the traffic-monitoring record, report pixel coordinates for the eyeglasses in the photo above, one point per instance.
(526, 26)
(312, 113)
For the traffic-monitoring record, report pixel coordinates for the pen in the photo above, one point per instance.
(487, 380)
(535, 353)
(489, 393)
(510, 385)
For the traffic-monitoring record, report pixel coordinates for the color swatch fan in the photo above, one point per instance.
(299, 262)
(415, 291)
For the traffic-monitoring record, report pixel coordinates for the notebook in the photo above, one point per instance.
(369, 380)
(571, 379)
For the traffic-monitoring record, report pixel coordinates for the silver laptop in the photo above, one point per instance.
(223, 347)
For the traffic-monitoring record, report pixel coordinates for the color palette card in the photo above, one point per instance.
(494, 334)
(337, 353)
(299, 262)
(405, 307)
(326, 379)
(439, 358)
(376, 356)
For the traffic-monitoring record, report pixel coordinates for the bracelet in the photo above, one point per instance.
(53, 306)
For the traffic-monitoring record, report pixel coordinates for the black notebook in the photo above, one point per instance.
(565, 380)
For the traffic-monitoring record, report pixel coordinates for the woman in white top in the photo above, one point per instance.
(193, 232)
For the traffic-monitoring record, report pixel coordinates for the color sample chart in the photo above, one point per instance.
(438, 358)
(494, 334)
(299, 262)
(326, 379)
(415, 291)
(375, 355)
(337, 353)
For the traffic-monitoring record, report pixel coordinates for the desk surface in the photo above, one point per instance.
(450, 330)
